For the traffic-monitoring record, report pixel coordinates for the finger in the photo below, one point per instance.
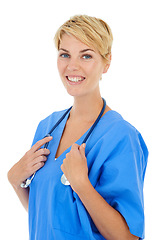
(37, 166)
(75, 146)
(40, 152)
(62, 168)
(40, 143)
(82, 150)
(40, 159)
(29, 169)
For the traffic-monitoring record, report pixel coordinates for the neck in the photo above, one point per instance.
(86, 108)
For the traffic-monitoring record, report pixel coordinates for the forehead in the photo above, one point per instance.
(69, 42)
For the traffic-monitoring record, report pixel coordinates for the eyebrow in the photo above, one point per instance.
(63, 50)
(82, 51)
(85, 50)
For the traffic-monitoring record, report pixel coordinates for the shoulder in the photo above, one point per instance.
(112, 122)
(46, 124)
(122, 144)
(52, 118)
(120, 134)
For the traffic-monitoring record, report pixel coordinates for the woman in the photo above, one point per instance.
(100, 195)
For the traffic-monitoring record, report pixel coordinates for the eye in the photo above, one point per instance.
(86, 56)
(64, 55)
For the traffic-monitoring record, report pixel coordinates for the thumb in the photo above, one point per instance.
(82, 149)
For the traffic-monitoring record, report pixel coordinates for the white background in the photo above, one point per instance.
(30, 87)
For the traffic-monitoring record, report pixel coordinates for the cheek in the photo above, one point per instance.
(94, 70)
(89, 69)
(60, 66)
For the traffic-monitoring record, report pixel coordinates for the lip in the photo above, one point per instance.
(75, 76)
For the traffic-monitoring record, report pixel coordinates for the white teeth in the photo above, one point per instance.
(75, 79)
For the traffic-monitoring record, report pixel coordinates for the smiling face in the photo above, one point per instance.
(80, 66)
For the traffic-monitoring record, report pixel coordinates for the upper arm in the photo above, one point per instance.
(121, 182)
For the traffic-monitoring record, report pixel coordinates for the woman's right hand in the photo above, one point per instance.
(32, 161)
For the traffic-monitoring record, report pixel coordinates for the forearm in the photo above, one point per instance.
(108, 221)
(32, 161)
(22, 193)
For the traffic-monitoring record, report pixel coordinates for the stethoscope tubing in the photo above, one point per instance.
(29, 180)
(56, 125)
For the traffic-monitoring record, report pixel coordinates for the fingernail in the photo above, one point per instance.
(84, 145)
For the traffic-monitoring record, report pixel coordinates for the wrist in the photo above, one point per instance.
(12, 180)
(83, 187)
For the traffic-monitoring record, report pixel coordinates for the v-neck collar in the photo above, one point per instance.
(79, 141)
(61, 130)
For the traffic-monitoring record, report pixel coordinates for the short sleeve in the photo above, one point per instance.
(36, 135)
(45, 126)
(40, 132)
(122, 178)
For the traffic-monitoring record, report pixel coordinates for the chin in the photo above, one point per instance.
(75, 94)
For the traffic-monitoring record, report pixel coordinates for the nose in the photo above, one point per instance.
(73, 64)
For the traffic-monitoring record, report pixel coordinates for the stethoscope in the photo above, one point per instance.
(63, 178)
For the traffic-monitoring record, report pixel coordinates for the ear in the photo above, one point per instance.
(108, 63)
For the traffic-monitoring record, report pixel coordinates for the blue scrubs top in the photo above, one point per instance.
(117, 158)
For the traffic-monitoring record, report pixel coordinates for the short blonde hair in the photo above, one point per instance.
(89, 30)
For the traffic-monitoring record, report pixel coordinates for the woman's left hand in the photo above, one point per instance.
(75, 166)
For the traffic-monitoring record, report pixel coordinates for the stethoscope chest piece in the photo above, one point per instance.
(64, 180)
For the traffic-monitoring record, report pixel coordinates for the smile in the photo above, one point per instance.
(75, 79)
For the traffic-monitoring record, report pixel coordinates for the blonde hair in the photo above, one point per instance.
(89, 30)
